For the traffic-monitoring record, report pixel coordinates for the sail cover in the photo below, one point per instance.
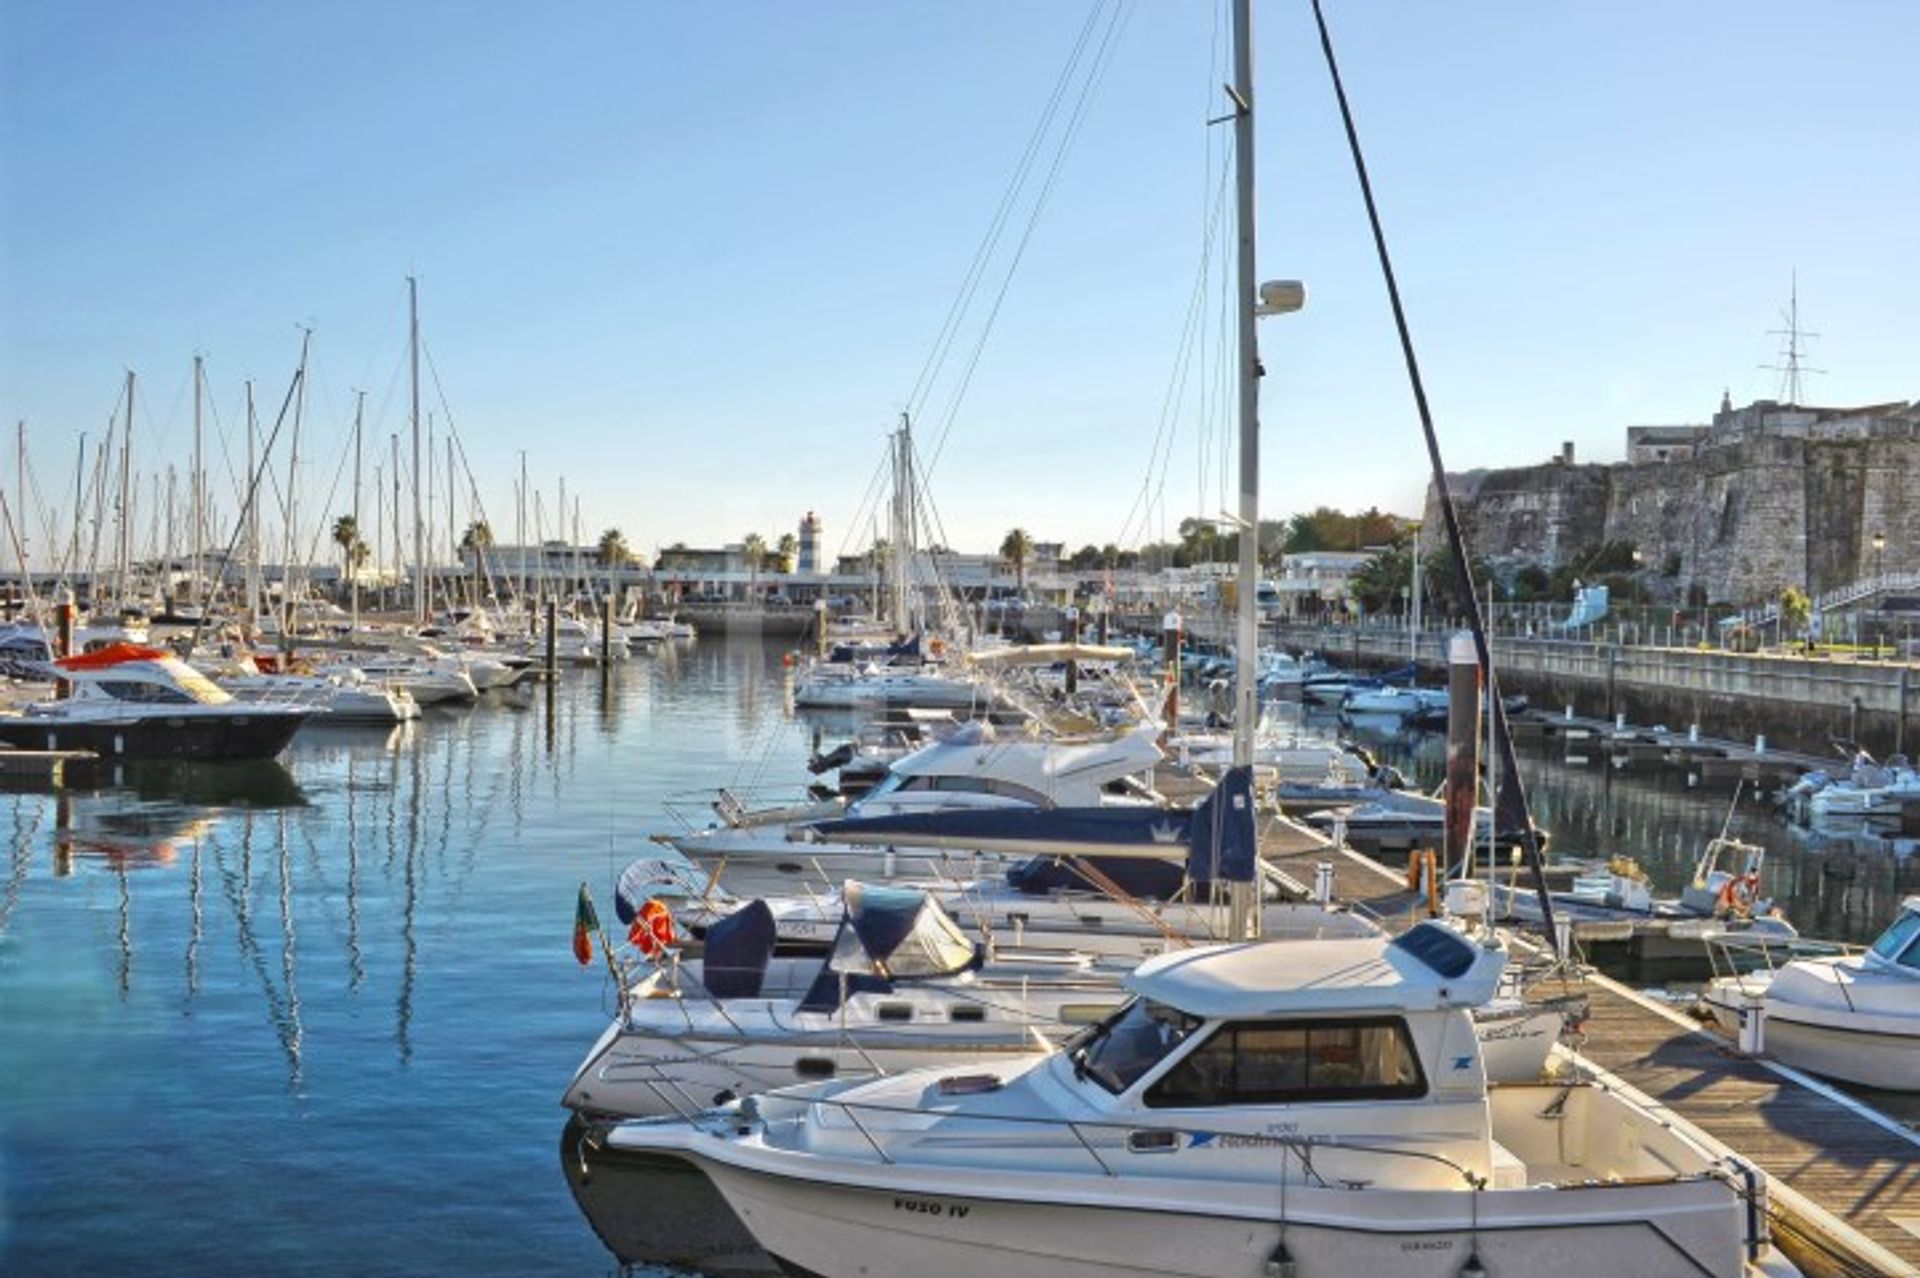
(734, 964)
(1222, 842)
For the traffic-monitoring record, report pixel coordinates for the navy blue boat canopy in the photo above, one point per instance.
(739, 946)
(1223, 842)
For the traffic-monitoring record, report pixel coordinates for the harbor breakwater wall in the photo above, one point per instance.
(1799, 703)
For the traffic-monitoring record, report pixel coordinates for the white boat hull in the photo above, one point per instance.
(920, 1226)
(1872, 1051)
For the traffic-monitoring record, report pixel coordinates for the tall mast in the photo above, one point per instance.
(1243, 910)
(419, 525)
(126, 497)
(293, 495)
(520, 525)
(353, 569)
(20, 464)
(253, 519)
(197, 521)
(399, 555)
(79, 477)
(902, 522)
(453, 545)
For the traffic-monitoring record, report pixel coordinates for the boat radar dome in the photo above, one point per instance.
(1281, 297)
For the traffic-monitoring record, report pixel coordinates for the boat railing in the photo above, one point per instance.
(1138, 1138)
(1736, 954)
(738, 807)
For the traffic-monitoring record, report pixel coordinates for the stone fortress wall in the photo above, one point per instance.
(1767, 496)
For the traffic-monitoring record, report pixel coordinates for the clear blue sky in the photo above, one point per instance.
(691, 258)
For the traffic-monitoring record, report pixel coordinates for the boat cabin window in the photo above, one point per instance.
(1900, 937)
(1119, 1050)
(1283, 1062)
(150, 693)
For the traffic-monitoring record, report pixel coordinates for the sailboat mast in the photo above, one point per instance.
(419, 526)
(352, 551)
(293, 499)
(126, 498)
(197, 520)
(1244, 917)
(902, 523)
(253, 520)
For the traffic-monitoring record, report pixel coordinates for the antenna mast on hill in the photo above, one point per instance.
(1792, 366)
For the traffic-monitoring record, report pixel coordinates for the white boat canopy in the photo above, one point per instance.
(1429, 967)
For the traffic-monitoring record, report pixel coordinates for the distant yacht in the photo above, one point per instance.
(131, 701)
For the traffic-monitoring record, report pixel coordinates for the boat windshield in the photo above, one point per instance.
(1116, 1052)
(1897, 938)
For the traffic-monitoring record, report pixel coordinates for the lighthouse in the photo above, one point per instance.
(809, 544)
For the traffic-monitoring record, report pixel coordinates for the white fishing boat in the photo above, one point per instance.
(1315, 1107)
(1724, 891)
(1851, 1017)
(900, 987)
(1870, 789)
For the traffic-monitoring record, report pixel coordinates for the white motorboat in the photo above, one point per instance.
(1870, 790)
(773, 850)
(1256, 1108)
(346, 696)
(1728, 896)
(841, 686)
(1397, 703)
(428, 679)
(1051, 905)
(1851, 1017)
(900, 987)
(131, 701)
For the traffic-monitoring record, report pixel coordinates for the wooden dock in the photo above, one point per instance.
(1707, 760)
(1844, 1178)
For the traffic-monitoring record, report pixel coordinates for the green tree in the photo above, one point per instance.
(785, 549)
(1377, 586)
(1015, 548)
(613, 550)
(754, 547)
(478, 537)
(353, 550)
(1796, 610)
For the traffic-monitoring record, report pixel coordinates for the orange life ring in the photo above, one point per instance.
(1740, 892)
(652, 929)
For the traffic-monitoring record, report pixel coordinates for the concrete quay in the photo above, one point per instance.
(1796, 701)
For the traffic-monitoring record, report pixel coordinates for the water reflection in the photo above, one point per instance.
(652, 1210)
(1839, 885)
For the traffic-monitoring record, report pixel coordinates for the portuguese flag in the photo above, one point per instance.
(585, 924)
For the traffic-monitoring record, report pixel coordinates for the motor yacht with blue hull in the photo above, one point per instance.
(756, 852)
(135, 702)
(1310, 1107)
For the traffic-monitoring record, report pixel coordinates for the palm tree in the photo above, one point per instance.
(346, 535)
(613, 550)
(785, 549)
(754, 547)
(1015, 550)
(478, 538)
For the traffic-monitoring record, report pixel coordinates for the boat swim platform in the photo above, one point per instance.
(1844, 1178)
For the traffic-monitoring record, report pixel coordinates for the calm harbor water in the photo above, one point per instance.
(315, 1017)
